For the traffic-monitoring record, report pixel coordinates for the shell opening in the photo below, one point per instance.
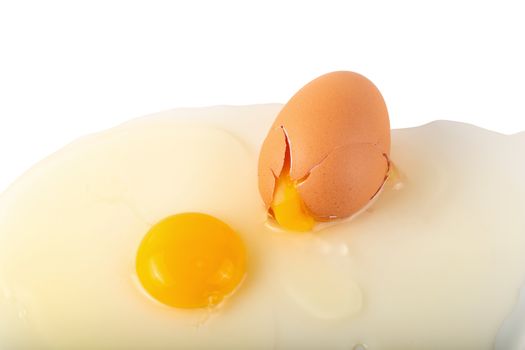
(287, 207)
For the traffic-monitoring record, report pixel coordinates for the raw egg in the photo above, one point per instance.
(435, 262)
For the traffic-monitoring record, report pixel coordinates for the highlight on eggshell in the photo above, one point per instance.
(327, 153)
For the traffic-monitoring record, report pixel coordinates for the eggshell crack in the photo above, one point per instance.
(271, 164)
(356, 163)
(342, 183)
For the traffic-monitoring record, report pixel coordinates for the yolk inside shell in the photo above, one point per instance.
(191, 260)
(288, 208)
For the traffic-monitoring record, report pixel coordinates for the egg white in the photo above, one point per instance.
(435, 262)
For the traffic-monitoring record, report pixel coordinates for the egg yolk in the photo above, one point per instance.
(287, 206)
(191, 260)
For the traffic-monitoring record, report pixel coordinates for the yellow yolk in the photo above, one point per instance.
(288, 208)
(191, 260)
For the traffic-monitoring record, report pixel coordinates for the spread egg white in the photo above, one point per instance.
(435, 262)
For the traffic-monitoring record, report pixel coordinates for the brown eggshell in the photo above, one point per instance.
(330, 114)
(345, 181)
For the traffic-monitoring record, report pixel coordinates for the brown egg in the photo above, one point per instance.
(338, 133)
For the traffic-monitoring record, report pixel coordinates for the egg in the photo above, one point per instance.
(434, 262)
(329, 148)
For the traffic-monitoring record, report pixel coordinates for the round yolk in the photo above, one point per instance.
(191, 260)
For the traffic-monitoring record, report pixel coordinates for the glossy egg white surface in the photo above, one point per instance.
(436, 261)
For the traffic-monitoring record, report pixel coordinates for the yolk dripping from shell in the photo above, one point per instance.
(287, 206)
(191, 260)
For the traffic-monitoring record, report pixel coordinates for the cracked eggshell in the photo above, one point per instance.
(338, 132)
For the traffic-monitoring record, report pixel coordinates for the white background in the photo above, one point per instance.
(69, 68)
